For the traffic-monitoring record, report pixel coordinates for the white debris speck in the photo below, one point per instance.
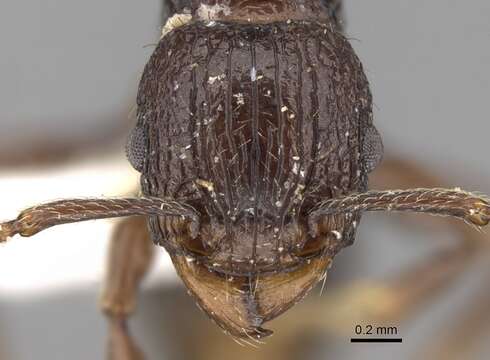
(280, 249)
(208, 185)
(182, 156)
(176, 86)
(337, 234)
(354, 224)
(216, 159)
(299, 190)
(174, 22)
(295, 158)
(295, 168)
(347, 134)
(276, 230)
(302, 173)
(284, 109)
(278, 203)
(212, 12)
(189, 259)
(213, 79)
(253, 74)
(268, 92)
(239, 98)
(292, 116)
(193, 65)
(188, 147)
(356, 109)
(211, 23)
(251, 261)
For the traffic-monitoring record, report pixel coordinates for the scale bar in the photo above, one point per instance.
(376, 340)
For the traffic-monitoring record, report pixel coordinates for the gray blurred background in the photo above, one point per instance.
(69, 72)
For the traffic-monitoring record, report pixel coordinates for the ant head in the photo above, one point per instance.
(253, 126)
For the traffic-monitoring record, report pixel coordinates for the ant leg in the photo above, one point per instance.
(130, 255)
(458, 340)
(41, 217)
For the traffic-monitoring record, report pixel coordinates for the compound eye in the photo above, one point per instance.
(372, 149)
(136, 148)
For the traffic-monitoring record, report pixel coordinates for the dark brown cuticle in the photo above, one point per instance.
(255, 139)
